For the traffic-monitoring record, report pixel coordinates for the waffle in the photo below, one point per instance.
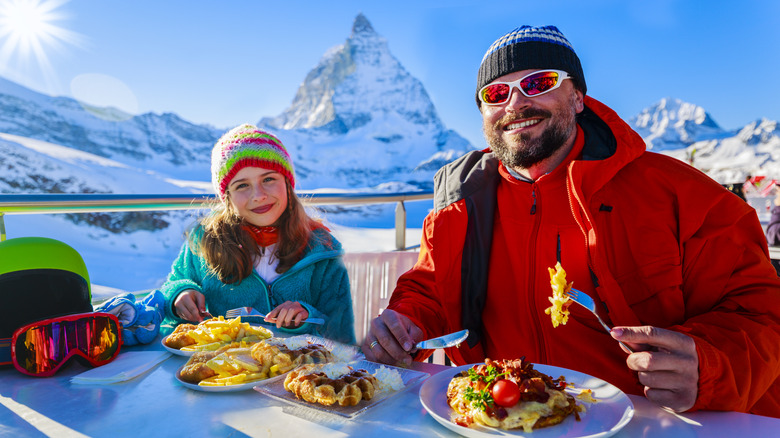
(311, 383)
(277, 358)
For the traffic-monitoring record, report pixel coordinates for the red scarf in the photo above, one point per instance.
(264, 236)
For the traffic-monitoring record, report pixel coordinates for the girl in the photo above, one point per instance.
(259, 248)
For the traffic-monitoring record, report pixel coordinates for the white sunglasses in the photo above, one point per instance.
(531, 85)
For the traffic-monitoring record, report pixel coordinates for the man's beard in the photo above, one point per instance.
(531, 151)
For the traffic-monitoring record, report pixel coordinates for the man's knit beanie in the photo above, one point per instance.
(528, 48)
(244, 146)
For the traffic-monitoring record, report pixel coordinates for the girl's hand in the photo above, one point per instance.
(190, 305)
(288, 314)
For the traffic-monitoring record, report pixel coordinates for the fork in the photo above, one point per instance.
(586, 301)
(249, 311)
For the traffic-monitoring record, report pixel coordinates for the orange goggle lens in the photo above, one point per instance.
(531, 85)
(43, 347)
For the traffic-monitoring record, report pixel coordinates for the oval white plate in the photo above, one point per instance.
(612, 412)
(176, 351)
(227, 388)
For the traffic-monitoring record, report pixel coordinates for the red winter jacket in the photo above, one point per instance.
(664, 245)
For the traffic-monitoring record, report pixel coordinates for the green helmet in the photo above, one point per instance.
(40, 278)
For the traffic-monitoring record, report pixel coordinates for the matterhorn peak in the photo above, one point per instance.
(362, 26)
(356, 83)
(363, 113)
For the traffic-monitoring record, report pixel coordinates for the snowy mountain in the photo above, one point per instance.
(360, 98)
(391, 140)
(363, 99)
(672, 124)
(687, 132)
(164, 143)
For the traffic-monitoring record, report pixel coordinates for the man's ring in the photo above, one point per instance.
(373, 344)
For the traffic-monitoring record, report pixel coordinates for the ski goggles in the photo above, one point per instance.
(532, 85)
(41, 348)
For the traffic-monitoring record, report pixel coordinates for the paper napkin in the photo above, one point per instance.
(126, 366)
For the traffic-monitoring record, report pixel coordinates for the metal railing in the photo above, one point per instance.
(94, 203)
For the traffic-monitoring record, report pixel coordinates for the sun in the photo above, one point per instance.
(27, 20)
(28, 33)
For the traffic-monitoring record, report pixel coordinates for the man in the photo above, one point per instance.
(676, 264)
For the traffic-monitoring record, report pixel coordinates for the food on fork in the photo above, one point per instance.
(559, 311)
(510, 394)
(214, 333)
(339, 383)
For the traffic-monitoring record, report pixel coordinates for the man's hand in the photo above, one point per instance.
(391, 339)
(666, 363)
(190, 305)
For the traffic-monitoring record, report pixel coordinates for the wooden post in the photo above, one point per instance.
(400, 226)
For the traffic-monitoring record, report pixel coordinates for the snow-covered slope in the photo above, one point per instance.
(164, 143)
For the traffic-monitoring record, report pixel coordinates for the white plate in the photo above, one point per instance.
(612, 412)
(227, 388)
(176, 351)
(275, 389)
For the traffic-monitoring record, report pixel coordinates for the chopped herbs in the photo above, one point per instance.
(479, 399)
(491, 376)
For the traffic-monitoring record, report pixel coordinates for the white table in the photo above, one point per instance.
(156, 405)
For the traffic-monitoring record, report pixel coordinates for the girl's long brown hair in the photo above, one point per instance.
(229, 250)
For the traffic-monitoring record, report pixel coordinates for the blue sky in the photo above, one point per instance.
(236, 61)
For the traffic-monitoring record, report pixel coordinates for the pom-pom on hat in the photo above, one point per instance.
(528, 48)
(243, 146)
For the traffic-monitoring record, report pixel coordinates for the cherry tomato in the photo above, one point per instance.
(506, 393)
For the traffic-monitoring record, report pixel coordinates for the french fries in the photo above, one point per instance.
(559, 311)
(214, 333)
(233, 366)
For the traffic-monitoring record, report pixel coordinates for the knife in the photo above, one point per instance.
(445, 341)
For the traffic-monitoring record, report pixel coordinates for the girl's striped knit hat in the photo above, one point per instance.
(528, 48)
(244, 146)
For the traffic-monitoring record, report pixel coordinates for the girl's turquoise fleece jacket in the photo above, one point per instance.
(319, 281)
